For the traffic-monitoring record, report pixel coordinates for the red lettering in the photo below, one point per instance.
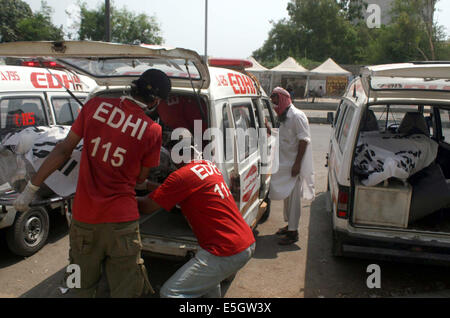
(249, 83)
(28, 119)
(67, 81)
(241, 84)
(415, 86)
(10, 76)
(24, 119)
(223, 80)
(233, 83)
(16, 120)
(54, 82)
(36, 78)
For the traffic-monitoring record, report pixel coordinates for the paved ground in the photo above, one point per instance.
(305, 269)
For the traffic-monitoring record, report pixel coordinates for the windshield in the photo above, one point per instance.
(132, 67)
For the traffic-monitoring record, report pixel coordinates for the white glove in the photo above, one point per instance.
(141, 186)
(24, 199)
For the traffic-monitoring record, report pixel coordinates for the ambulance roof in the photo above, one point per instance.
(229, 83)
(24, 78)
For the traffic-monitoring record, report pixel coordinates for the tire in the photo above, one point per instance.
(29, 232)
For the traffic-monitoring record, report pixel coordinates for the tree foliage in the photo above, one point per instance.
(11, 12)
(39, 26)
(319, 29)
(19, 23)
(126, 27)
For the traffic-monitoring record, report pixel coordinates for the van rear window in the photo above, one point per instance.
(21, 112)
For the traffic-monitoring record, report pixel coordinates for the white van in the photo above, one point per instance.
(33, 96)
(207, 100)
(389, 164)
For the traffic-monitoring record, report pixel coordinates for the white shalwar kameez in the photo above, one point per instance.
(283, 186)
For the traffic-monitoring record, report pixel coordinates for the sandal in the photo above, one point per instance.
(282, 231)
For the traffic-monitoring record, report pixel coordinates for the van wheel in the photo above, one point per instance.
(336, 246)
(266, 213)
(29, 232)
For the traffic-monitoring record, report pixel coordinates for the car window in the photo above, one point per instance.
(268, 115)
(246, 133)
(21, 112)
(445, 121)
(339, 120)
(66, 110)
(346, 127)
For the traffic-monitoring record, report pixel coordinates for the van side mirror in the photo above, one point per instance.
(330, 118)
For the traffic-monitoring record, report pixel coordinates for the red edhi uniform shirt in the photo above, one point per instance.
(118, 139)
(209, 207)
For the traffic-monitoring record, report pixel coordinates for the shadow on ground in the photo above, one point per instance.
(328, 276)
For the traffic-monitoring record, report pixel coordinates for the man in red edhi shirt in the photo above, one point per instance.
(226, 240)
(120, 145)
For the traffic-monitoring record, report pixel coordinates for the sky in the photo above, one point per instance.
(236, 28)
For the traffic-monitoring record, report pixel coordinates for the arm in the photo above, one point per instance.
(147, 205)
(60, 154)
(143, 175)
(302, 144)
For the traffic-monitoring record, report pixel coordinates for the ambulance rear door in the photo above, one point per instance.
(245, 180)
(113, 64)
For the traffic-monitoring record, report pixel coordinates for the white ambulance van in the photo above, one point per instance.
(389, 165)
(33, 96)
(227, 111)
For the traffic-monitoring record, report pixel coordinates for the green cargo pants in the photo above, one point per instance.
(116, 247)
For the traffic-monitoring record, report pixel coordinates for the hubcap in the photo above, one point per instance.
(33, 230)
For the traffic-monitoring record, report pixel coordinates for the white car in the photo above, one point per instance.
(33, 95)
(389, 164)
(219, 98)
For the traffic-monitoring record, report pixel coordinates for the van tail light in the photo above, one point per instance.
(343, 202)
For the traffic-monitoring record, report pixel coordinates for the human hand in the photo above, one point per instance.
(295, 170)
(24, 199)
(142, 186)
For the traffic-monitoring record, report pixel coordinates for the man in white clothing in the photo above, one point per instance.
(294, 179)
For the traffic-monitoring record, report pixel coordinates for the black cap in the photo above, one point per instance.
(152, 83)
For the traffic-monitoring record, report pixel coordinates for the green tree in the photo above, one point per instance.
(412, 35)
(315, 30)
(11, 12)
(39, 27)
(19, 23)
(126, 27)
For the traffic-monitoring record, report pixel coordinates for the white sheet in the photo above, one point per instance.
(34, 144)
(385, 155)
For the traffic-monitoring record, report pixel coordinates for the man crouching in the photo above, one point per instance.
(226, 240)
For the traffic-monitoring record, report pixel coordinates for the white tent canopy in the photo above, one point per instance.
(290, 65)
(256, 66)
(330, 68)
